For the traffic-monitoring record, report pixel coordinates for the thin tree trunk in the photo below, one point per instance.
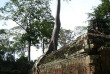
(29, 50)
(43, 45)
(29, 42)
(14, 56)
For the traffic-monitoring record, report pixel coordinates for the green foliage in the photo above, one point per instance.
(15, 67)
(2, 31)
(9, 57)
(65, 37)
(30, 15)
(6, 46)
(80, 30)
(22, 59)
(102, 12)
(34, 19)
(2, 53)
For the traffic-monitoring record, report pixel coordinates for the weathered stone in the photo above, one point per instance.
(88, 54)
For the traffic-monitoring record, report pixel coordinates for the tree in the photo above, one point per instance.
(2, 53)
(65, 37)
(80, 30)
(18, 45)
(7, 52)
(31, 16)
(54, 39)
(101, 12)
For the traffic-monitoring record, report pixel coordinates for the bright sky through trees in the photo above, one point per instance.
(73, 13)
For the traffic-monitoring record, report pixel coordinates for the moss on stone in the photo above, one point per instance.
(62, 53)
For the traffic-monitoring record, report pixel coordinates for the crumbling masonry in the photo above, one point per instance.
(88, 54)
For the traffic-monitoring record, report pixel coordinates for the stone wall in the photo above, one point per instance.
(79, 64)
(71, 65)
(88, 54)
(101, 62)
(78, 57)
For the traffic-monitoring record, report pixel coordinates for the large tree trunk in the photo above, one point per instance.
(55, 33)
(54, 39)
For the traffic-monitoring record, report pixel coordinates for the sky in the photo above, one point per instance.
(73, 13)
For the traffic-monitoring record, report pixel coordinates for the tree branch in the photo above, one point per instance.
(20, 25)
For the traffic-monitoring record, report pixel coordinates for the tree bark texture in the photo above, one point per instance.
(54, 40)
(55, 33)
(43, 45)
(29, 50)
